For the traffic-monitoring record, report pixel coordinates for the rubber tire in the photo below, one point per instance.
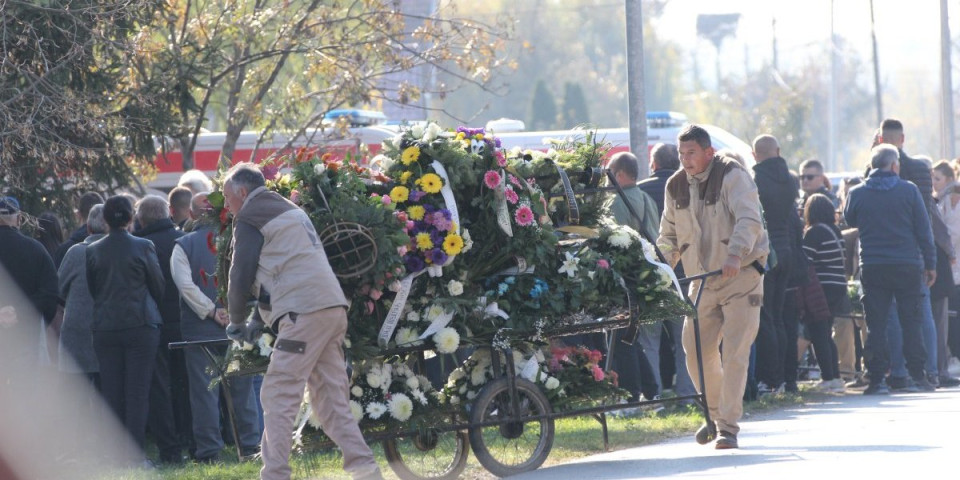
(458, 464)
(490, 399)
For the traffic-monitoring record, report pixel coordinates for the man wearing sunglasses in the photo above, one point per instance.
(812, 180)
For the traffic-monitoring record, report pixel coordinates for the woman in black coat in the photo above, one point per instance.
(126, 284)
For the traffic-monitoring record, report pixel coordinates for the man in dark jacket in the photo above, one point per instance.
(812, 180)
(778, 197)
(169, 400)
(897, 255)
(87, 201)
(918, 172)
(193, 266)
(664, 161)
(30, 269)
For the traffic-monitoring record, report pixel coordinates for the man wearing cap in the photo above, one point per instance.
(28, 265)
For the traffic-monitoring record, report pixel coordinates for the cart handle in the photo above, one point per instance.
(198, 343)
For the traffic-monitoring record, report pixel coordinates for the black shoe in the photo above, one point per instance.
(902, 385)
(208, 460)
(933, 380)
(726, 440)
(877, 388)
(706, 433)
(923, 385)
(948, 381)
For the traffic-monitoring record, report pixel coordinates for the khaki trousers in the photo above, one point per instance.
(731, 315)
(843, 332)
(321, 366)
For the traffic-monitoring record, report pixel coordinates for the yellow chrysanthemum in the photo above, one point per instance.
(399, 194)
(431, 183)
(478, 136)
(416, 212)
(424, 242)
(460, 136)
(453, 244)
(405, 177)
(410, 155)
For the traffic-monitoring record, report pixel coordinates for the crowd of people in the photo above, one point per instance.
(138, 274)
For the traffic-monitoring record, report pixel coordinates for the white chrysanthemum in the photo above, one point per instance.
(356, 409)
(382, 162)
(417, 131)
(356, 391)
(456, 375)
(433, 312)
(552, 383)
(376, 410)
(419, 396)
(462, 389)
(374, 379)
(620, 239)
(440, 396)
(431, 132)
(413, 383)
(404, 371)
(467, 241)
(234, 366)
(447, 340)
(401, 407)
(455, 288)
(454, 400)
(407, 336)
(478, 376)
(413, 317)
(424, 383)
(319, 168)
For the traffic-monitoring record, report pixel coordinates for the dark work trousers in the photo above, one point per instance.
(169, 399)
(772, 336)
(821, 335)
(881, 284)
(126, 366)
(791, 327)
(205, 406)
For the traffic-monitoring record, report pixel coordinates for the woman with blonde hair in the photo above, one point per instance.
(946, 190)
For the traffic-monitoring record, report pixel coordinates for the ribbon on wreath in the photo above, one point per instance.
(503, 214)
(651, 256)
(400, 301)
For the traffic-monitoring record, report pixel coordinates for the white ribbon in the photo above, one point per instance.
(503, 214)
(493, 310)
(530, 369)
(393, 316)
(447, 194)
(437, 324)
(651, 257)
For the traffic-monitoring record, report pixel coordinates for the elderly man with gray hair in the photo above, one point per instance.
(896, 256)
(278, 259)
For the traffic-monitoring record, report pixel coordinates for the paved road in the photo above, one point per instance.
(903, 437)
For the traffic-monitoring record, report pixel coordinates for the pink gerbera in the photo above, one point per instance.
(515, 181)
(523, 216)
(501, 159)
(491, 179)
(511, 196)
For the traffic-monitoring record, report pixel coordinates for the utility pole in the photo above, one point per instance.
(776, 65)
(876, 68)
(636, 105)
(832, 115)
(948, 142)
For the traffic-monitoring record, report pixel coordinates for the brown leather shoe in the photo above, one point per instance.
(726, 440)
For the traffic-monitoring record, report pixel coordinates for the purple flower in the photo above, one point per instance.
(413, 262)
(416, 195)
(437, 256)
(437, 237)
(270, 171)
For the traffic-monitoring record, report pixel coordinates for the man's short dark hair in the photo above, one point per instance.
(118, 211)
(811, 163)
(179, 198)
(625, 162)
(87, 201)
(665, 156)
(695, 133)
(891, 125)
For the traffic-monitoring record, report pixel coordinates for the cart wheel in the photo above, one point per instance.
(428, 454)
(511, 447)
